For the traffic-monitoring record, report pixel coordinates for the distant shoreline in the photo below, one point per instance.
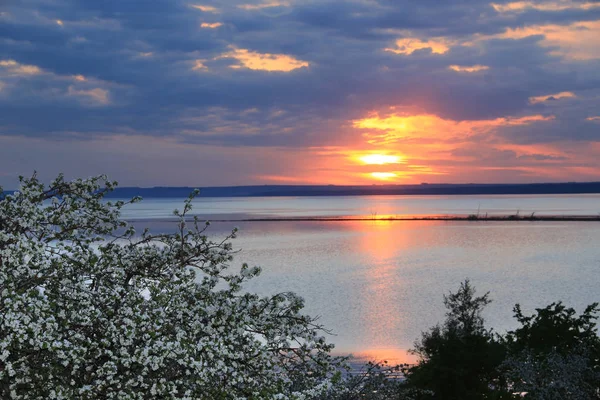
(567, 188)
(449, 218)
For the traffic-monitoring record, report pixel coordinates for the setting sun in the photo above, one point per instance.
(379, 159)
(383, 175)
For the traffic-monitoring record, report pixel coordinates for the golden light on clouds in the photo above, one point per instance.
(15, 68)
(577, 41)
(472, 68)
(408, 46)
(204, 8)
(270, 4)
(384, 176)
(264, 61)
(79, 78)
(555, 96)
(59, 22)
(596, 119)
(209, 25)
(521, 6)
(199, 66)
(379, 159)
(386, 130)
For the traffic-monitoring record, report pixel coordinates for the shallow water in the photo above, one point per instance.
(378, 284)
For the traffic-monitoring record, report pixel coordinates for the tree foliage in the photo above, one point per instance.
(459, 359)
(555, 354)
(92, 309)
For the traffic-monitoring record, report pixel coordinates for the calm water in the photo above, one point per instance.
(378, 284)
(380, 206)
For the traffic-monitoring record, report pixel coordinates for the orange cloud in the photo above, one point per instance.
(596, 119)
(428, 126)
(522, 6)
(408, 46)
(556, 96)
(208, 25)
(473, 68)
(577, 41)
(264, 61)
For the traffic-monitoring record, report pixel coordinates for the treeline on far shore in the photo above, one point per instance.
(360, 190)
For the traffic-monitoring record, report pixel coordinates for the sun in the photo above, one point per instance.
(379, 159)
(384, 176)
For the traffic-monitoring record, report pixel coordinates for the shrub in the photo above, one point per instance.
(459, 359)
(555, 354)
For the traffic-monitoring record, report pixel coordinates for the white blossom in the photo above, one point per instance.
(92, 309)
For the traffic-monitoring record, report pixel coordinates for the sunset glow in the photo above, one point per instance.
(379, 159)
(287, 92)
(384, 176)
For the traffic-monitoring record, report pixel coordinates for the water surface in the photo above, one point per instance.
(378, 284)
(372, 206)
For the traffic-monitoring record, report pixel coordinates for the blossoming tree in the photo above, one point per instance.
(90, 308)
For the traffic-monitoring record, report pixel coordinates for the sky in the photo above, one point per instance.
(218, 93)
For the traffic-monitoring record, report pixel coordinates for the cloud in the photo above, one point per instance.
(576, 41)
(394, 128)
(594, 119)
(205, 8)
(297, 76)
(13, 68)
(199, 65)
(209, 25)
(522, 6)
(263, 61)
(407, 46)
(551, 97)
(472, 68)
(261, 6)
(94, 96)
